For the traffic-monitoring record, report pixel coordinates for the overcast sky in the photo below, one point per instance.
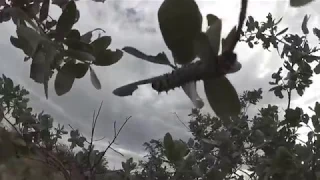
(134, 23)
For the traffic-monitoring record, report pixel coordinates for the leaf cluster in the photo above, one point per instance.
(55, 45)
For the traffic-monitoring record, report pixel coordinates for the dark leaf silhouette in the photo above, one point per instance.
(38, 67)
(78, 45)
(108, 57)
(227, 42)
(44, 10)
(16, 42)
(228, 105)
(40, 70)
(30, 39)
(87, 36)
(66, 20)
(214, 36)
(304, 25)
(17, 13)
(126, 90)
(317, 69)
(80, 70)
(1, 112)
(299, 3)
(282, 32)
(101, 43)
(74, 34)
(80, 55)
(212, 19)
(316, 32)
(160, 58)
(64, 79)
(60, 3)
(180, 23)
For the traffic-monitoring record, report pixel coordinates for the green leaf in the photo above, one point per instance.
(305, 118)
(311, 58)
(31, 37)
(101, 43)
(88, 35)
(214, 35)
(1, 112)
(44, 10)
(18, 13)
(316, 32)
(277, 91)
(181, 149)
(94, 79)
(66, 20)
(18, 43)
(107, 57)
(38, 65)
(81, 70)
(78, 70)
(317, 109)
(317, 69)
(228, 41)
(74, 34)
(160, 58)
(64, 79)
(126, 90)
(180, 22)
(203, 48)
(212, 19)
(76, 44)
(222, 97)
(282, 32)
(310, 135)
(304, 25)
(40, 70)
(169, 146)
(190, 89)
(80, 55)
(299, 3)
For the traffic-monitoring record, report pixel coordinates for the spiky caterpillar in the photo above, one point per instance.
(199, 70)
(205, 69)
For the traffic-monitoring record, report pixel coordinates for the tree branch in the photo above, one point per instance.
(110, 144)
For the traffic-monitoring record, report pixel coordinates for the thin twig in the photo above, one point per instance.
(94, 122)
(100, 138)
(13, 126)
(289, 98)
(112, 142)
(181, 121)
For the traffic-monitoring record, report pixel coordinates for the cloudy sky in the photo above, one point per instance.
(134, 23)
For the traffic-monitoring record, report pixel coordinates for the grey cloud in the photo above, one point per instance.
(130, 15)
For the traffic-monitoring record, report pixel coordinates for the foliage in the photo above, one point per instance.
(31, 140)
(54, 45)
